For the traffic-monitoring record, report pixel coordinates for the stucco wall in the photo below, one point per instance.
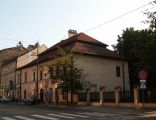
(102, 71)
(30, 56)
(7, 74)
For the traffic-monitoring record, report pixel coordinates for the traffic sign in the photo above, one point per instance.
(142, 74)
(143, 85)
(143, 81)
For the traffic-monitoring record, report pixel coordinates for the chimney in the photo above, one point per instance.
(31, 47)
(20, 45)
(71, 33)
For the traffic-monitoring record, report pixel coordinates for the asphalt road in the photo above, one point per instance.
(12, 111)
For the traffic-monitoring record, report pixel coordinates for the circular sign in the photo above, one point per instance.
(142, 75)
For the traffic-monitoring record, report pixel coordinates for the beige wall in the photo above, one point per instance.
(7, 74)
(30, 85)
(30, 56)
(102, 71)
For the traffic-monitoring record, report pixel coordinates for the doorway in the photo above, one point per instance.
(41, 95)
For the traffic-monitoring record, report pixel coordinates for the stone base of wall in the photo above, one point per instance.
(124, 105)
(147, 105)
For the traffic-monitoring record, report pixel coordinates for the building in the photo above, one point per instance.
(24, 60)
(102, 66)
(8, 70)
(6, 56)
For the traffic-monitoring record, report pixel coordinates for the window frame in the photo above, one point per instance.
(118, 71)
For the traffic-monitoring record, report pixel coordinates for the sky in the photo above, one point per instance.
(48, 21)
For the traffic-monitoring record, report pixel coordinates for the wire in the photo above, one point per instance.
(7, 39)
(129, 12)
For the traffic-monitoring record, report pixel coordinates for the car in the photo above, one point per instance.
(30, 100)
(5, 99)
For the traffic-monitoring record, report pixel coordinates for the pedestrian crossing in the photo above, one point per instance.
(52, 116)
(61, 115)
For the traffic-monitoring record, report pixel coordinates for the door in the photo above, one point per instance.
(41, 95)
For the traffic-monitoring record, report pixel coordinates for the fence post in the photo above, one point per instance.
(117, 95)
(54, 95)
(88, 96)
(136, 95)
(101, 95)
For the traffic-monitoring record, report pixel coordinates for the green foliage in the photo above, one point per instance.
(65, 70)
(140, 47)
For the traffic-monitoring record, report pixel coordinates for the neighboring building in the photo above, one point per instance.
(30, 56)
(8, 77)
(24, 60)
(8, 83)
(102, 66)
(7, 55)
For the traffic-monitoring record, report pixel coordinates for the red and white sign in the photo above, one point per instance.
(142, 74)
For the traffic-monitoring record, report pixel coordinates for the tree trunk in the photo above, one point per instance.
(71, 96)
(67, 97)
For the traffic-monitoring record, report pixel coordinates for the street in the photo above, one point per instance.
(13, 111)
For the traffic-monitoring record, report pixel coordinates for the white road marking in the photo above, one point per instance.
(75, 115)
(24, 118)
(62, 116)
(92, 114)
(41, 116)
(7, 118)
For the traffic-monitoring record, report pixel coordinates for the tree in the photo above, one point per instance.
(65, 70)
(140, 47)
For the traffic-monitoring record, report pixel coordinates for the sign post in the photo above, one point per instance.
(142, 75)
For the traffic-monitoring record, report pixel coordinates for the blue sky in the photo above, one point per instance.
(48, 21)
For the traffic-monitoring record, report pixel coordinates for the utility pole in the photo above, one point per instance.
(123, 72)
(37, 73)
(123, 77)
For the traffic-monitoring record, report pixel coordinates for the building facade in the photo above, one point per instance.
(7, 56)
(8, 77)
(102, 66)
(22, 61)
(8, 71)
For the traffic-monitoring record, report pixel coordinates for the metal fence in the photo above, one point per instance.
(126, 96)
(147, 96)
(109, 96)
(82, 96)
(94, 96)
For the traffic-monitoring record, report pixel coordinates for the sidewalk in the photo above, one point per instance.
(84, 108)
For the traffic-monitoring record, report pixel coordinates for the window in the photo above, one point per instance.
(57, 71)
(41, 76)
(25, 77)
(34, 76)
(25, 94)
(18, 78)
(50, 93)
(118, 74)
(51, 72)
(65, 95)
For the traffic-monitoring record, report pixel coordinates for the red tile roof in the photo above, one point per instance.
(95, 50)
(78, 43)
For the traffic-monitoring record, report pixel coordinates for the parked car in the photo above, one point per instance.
(30, 100)
(5, 99)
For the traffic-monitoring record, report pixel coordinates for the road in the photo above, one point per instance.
(12, 111)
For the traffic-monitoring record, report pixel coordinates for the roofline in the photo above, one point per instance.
(39, 62)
